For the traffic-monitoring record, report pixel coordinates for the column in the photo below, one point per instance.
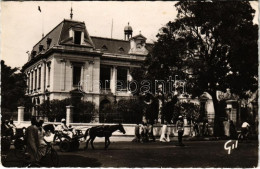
(32, 80)
(69, 114)
(28, 83)
(43, 80)
(35, 79)
(20, 114)
(38, 77)
(113, 80)
(129, 79)
(82, 78)
(90, 81)
(63, 74)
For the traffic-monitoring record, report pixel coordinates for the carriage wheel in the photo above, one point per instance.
(75, 145)
(20, 152)
(18, 143)
(65, 146)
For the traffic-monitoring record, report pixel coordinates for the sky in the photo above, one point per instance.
(22, 23)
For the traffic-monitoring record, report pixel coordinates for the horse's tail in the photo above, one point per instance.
(86, 134)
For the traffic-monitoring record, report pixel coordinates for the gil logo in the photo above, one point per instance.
(230, 145)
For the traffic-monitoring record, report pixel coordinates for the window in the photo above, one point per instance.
(48, 42)
(41, 48)
(28, 84)
(104, 48)
(32, 81)
(121, 50)
(77, 37)
(49, 75)
(35, 83)
(105, 77)
(76, 75)
(121, 78)
(33, 54)
(39, 82)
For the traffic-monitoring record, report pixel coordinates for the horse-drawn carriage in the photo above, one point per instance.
(67, 143)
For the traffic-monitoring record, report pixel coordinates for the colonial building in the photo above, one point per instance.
(69, 59)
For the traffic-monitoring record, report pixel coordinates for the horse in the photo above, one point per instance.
(102, 131)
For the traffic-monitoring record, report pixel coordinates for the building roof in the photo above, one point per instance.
(108, 45)
(60, 35)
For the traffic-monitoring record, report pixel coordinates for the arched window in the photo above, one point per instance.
(121, 50)
(104, 48)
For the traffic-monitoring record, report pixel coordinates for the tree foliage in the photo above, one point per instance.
(83, 111)
(212, 45)
(13, 89)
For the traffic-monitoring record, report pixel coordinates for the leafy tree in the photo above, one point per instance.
(129, 111)
(212, 45)
(13, 89)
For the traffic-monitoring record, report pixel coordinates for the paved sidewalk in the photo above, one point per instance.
(175, 138)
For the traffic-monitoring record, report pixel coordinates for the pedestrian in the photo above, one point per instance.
(7, 129)
(41, 142)
(144, 132)
(137, 133)
(32, 140)
(150, 131)
(205, 127)
(180, 130)
(245, 129)
(196, 128)
(13, 126)
(164, 132)
(232, 130)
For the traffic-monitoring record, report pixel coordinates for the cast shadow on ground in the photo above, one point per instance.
(78, 161)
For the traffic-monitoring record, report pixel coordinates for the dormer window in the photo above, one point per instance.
(104, 48)
(40, 48)
(33, 54)
(121, 50)
(77, 37)
(139, 45)
(48, 42)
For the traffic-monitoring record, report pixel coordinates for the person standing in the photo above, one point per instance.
(137, 133)
(205, 128)
(180, 130)
(144, 132)
(196, 128)
(31, 137)
(41, 142)
(164, 132)
(150, 131)
(13, 126)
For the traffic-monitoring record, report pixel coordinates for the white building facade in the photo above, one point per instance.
(69, 59)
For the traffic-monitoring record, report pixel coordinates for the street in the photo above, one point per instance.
(157, 154)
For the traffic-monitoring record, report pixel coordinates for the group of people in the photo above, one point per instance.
(8, 128)
(144, 132)
(34, 139)
(201, 130)
(37, 136)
